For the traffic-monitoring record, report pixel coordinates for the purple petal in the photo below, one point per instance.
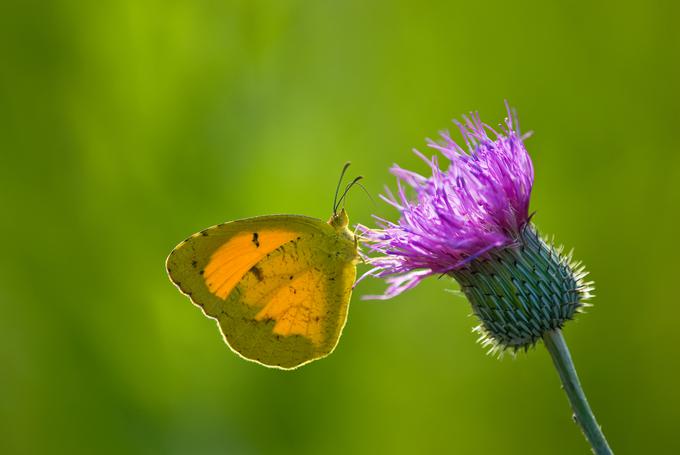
(478, 203)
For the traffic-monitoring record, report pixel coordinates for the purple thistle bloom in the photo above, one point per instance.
(480, 202)
(471, 222)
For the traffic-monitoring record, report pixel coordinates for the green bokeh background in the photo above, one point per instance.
(126, 126)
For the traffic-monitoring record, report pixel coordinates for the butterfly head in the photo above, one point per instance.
(339, 220)
(347, 242)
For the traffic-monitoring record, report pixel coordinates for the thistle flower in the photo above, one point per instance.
(471, 221)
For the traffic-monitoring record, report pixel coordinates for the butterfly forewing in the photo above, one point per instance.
(279, 286)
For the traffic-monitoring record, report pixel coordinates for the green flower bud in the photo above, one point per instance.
(521, 291)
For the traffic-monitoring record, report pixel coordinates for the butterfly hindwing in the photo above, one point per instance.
(279, 286)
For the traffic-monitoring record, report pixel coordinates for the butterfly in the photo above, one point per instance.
(279, 286)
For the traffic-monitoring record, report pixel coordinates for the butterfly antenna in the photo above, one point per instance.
(337, 188)
(367, 194)
(348, 187)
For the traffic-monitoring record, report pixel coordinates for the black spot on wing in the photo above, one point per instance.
(257, 272)
(256, 239)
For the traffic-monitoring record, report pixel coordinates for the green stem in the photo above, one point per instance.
(554, 342)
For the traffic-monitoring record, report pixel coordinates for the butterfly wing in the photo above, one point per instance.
(278, 286)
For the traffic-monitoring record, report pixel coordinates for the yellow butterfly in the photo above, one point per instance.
(278, 286)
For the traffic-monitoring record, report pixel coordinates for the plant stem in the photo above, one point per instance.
(554, 342)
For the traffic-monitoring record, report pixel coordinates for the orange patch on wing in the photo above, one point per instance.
(298, 308)
(232, 260)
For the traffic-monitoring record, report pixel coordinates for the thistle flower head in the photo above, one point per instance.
(471, 221)
(479, 202)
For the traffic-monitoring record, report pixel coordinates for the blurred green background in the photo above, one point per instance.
(126, 126)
